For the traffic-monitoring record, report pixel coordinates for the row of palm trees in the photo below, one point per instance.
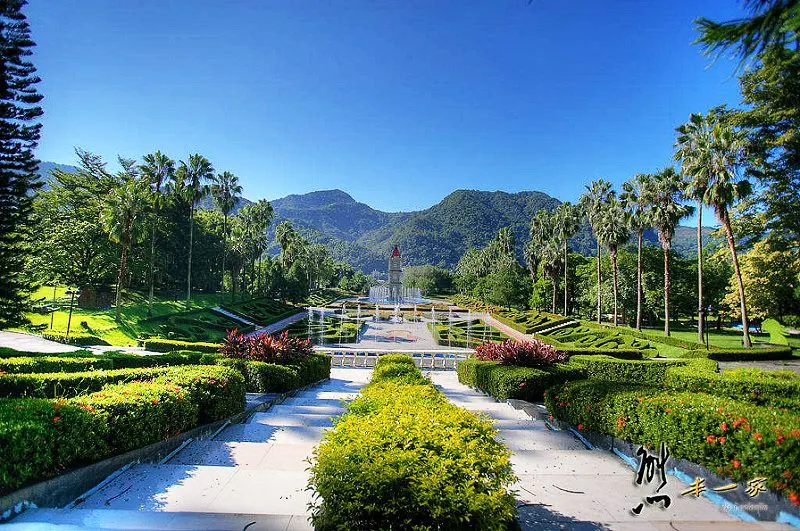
(144, 191)
(711, 155)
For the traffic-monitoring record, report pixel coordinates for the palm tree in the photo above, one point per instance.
(538, 231)
(613, 232)
(593, 202)
(638, 217)
(193, 175)
(726, 187)
(692, 149)
(285, 235)
(121, 215)
(567, 224)
(157, 170)
(226, 191)
(664, 194)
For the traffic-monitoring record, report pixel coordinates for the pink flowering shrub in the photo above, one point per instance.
(525, 354)
(280, 349)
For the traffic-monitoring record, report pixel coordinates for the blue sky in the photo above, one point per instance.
(396, 102)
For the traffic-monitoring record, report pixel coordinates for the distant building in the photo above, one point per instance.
(395, 275)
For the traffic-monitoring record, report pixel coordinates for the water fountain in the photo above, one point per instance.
(309, 333)
(358, 313)
(449, 327)
(384, 294)
(433, 314)
(397, 314)
(469, 327)
(322, 328)
(377, 315)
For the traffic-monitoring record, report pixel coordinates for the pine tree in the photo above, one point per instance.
(19, 135)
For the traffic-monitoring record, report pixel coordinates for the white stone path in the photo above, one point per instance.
(564, 485)
(251, 473)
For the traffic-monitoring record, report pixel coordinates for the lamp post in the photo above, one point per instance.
(72, 292)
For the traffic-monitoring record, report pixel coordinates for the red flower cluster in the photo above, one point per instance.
(526, 353)
(280, 349)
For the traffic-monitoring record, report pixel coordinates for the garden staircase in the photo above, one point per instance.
(247, 476)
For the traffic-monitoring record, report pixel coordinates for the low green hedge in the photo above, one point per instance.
(735, 438)
(404, 456)
(743, 354)
(394, 358)
(645, 372)
(68, 384)
(313, 368)
(6, 352)
(218, 391)
(399, 372)
(126, 360)
(81, 339)
(40, 438)
(169, 345)
(507, 381)
(771, 388)
(53, 364)
(261, 377)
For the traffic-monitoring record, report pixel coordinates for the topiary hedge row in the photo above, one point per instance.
(262, 377)
(735, 438)
(40, 438)
(404, 455)
(169, 345)
(68, 384)
(644, 372)
(53, 364)
(81, 339)
(768, 388)
(508, 381)
(742, 354)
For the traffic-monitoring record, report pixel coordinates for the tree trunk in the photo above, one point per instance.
(614, 276)
(224, 248)
(639, 283)
(191, 242)
(554, 294)
(566, 293)
(700, 307)
(152, 266)
(666, 291)
(123, 262)
(599, 301)
(737, 271)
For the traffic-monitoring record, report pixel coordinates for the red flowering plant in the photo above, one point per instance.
(279, 349)
(526, 353)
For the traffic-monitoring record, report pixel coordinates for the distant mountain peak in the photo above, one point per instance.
(319, 198)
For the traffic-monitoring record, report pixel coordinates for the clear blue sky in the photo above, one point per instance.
(396, 102)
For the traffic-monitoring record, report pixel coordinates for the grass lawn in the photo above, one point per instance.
(722, 339)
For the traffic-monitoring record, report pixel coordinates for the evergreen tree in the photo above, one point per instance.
(19, 135)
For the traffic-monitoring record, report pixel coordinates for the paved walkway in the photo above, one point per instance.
(279, 325)
(250, 473)
(507, 330)
(564, 485)
(32, 343)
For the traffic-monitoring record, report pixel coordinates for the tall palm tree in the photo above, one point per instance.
(226, 191)
(692, 149)
(664, 194)
(613, 232)
(121, 216)
(638, 218)
(194, 176)
(593, 201)
(568, 222)
(157, 169)
(285, 235)
(538, 231)
(725, 188)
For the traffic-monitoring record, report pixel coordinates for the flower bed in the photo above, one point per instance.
(735, 438)
(403, 454)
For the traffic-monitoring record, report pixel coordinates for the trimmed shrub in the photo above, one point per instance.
(68, 384)
(6, 352)
(394, 358)
(313, 368)
(524, 383)
(41, 438)
(404, 455)
(81, 339)
(734, 438)
(644, 372)
(219, 392)
(401, 372)
(140, 413)
(53, 364)
(749, 354)
(529, 322)
(122, 360)
(771, 388)
(169, 345)
(776, 331)
(262, 377)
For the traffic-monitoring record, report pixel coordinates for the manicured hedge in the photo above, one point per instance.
(394, 358)
(81, 339)
(6, 352)
(735, 438)
(169, 345)
(40, 438)
(771, 388)
(645, 372)
(218, 391)
(126, 360)
(53, 364)
(743, 354)
(404, 456)
(68, 384)
(508, 381)
(262, 377)
(529, 322)
(313, 368)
